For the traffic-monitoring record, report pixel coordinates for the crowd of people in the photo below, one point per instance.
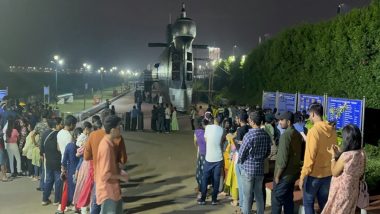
(164, 118)
(241, 149)
(83, 162)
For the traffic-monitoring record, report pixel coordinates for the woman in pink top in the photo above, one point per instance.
(12, 147)
(347, 167)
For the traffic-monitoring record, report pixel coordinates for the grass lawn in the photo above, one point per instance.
(77, 105)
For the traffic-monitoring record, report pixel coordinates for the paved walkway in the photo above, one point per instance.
(162, 176)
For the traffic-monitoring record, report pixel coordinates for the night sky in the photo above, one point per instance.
(117, 32)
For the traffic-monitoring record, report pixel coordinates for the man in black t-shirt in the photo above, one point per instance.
(241, 131)
(52, 160)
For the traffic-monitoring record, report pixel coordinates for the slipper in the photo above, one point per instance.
(234, 204)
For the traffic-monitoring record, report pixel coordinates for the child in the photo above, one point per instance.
(82, 174)
(69, 164)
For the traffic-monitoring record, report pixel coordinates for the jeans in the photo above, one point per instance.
(37, 171)
(252, 184)
(112, 207)
(167, 125)
(161, 124)
(315, 187)
(13, 152)
(282, 196)
(192, 124)
(211, 170)
(134, 124)
(52, 177)
(95, 208)
(42, 175)
(240, 185)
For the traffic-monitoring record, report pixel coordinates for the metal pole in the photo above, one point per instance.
(363, 114)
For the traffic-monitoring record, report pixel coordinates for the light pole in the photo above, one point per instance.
(57, 61)
(86, 67)
(233, 50)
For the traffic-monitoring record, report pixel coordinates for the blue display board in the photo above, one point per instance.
(269, 100)
(352, 115)
(3, 93)
(304, 101)
(286, 102)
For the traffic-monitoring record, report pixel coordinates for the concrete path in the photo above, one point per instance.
(162, 175)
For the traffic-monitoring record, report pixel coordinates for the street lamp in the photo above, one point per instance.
(233, 50)
(57, 61)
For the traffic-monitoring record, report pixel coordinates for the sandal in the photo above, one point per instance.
(234, 203)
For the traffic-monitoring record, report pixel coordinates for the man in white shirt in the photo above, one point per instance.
(64, 136)
(214, 135)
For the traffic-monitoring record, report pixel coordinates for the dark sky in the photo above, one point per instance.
(116, 32)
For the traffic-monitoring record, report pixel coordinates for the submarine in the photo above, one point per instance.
(175, 70)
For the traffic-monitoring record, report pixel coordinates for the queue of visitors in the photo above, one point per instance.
(240, 149)
(82, 162)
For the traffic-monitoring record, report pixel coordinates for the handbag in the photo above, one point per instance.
(363, 199)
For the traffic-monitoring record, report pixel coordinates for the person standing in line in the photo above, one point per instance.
(109, 174)
(12, 148)
(161, 118)
(238, 140)
(348, 168)
(64, 137)
(69, 165)
(200, 144)
(192, 117)
(91, 153)
(52, 156)
(254, 150)
(174, 123)
(316, 171)
(153, 122)
(287, 166)
(168, 113)
(214, 161)
(201, 114)
(134, 115)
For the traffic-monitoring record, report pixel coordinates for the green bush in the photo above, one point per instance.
(372, 171)
(340, 57)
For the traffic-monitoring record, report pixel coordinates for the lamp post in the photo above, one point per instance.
(57, 61)
(86, 67)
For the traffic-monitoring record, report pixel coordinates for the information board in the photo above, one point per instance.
(3, 93)
(269, 100)
(352, 115)
(286, 102)
(304, 101)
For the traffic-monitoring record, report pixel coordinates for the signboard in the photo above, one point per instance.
(269, 100)
(353, 113)
(3, 93)
(304, 101)
(46, 90)
(286, 102)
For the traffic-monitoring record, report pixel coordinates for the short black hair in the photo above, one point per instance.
(111, 122)
(77, 131)
(243, 116)
(70, 120)
(97, 124)
(316, 108)
(257, 117)
(94, 118)
(52, 123)
(87, 125)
